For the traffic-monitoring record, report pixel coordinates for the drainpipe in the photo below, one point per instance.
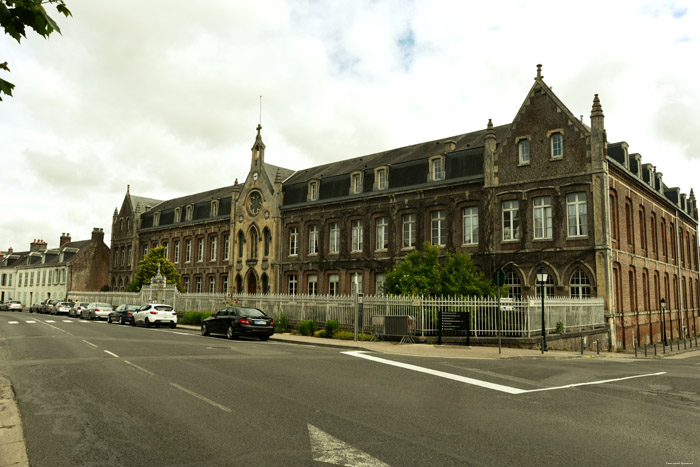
(680, 277)
(608, 252)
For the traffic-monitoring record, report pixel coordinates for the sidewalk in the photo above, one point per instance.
(12, 449)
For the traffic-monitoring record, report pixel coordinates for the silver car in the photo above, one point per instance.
(96, 310)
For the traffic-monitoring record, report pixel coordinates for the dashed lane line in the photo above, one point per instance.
(112, 354)
(139, 368)
(89, 343)
(202, 398)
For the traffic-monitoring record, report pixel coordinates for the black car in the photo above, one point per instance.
(235, 322)
(123, 314)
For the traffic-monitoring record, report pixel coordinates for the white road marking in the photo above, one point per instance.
(31, 322)
(139, 368)
(89, 343)
(50, 321)
(67, 321)
(201, 397)
(485, 384)
(13, 322)
(183, 333)
(112, 354)
(331, 450)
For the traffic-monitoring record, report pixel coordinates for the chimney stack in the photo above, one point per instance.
(65, 238)
(38, 245)
(98, 235)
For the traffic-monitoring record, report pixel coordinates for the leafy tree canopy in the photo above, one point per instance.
(421, 273)
(18, 15)
(148, 267)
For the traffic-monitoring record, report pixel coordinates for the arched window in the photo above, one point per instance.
(268, 241)
(241, 241)
(239, 283)
(579, 285)
(513, 282)
(253, 243)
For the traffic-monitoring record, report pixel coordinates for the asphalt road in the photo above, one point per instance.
(92, 393)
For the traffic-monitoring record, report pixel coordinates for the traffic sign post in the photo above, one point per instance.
(499, 277)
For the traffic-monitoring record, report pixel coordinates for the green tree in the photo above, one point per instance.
(148, 267)
(421, 273)
(18, 15)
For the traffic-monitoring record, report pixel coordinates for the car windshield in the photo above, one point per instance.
(103, 305)
(64, 304)
(83, 304)
(252, 313)
(163, 308)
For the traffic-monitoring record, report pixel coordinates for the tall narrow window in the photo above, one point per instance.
(200, 250)
(355, 283)
(438, 228)
(268, 241)
(511, 221)
(334, 237)
(177, 215)
(129, 255)
(176, 251)
(409, 231)
(470, 226)
(664, 245)
(227, 246)
(313, 190)
(382, 233)
(214, 208)
(357, 235)
(333, 281)
(380, 178)
(241, 243)
(253, 243)
(292, 284)
(379, 283)
(654, 238)
(293, 241)
(356, 183)
(212, 284)
(513, 282)
(199, 285)
(312, 284)
(524, 151)
(557, 144)
(642, 228)
(614, 220)
(577, 214)
(165, 245)
(213, 249)
(542, 216)
(313, 240)
(630, 223)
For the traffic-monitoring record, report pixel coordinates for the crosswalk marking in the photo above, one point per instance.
(12, 322)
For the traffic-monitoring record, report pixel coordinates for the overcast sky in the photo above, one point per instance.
(164, 95)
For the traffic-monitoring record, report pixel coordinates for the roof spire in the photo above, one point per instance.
(539, 73)
(597, 110)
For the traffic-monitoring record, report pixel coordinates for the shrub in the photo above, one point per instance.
(321, 333)
(560, 327)
(193, 318)
(349, 335)
(307, 327)
(282, 323)
(332, 327)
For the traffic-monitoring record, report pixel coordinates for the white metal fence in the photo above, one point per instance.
(519, 318)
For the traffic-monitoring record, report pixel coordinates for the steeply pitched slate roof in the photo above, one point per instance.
(216, 193)
(271, 171)
(143, 201)
(465, 141)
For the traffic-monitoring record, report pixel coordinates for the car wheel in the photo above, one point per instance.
(264, 338)
(109, 319)
(173, 325)
(146, 323)
(91, 317)
(122, 321)
(229, 332)
(204, 330)
(133, 322)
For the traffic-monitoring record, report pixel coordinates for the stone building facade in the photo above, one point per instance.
(543, 192)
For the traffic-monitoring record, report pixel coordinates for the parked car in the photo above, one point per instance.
(35, 307)
(236, 322)
(123, 314)
(3, 306)
(14, 305)
(61, 308)
(96, 310)
(77, 309)
(48, 306)
(155, 313)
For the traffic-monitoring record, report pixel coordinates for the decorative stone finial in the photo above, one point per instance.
(127, 188)
(597, 110)
(539, 72)
(490, 133)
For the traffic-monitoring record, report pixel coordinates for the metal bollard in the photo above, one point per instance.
(654, 349)
(645, 350)
(685, 344)
(597, 347)
(663, 346)
(581, 345)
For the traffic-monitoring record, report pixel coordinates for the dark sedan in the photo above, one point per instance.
(123, 314)
(236, 322)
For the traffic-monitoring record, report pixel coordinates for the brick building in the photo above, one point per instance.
(44, 272)
(545, 191)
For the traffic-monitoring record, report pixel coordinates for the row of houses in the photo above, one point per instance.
(544, 191)
(41, 272)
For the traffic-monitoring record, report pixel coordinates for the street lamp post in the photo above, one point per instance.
(542, 277)
(663, 320)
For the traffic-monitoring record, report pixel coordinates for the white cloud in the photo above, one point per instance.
(165, 97)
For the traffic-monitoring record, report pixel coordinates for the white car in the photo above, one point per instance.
(155, 313)
(62, 308)
(14, 305)
(96, 310)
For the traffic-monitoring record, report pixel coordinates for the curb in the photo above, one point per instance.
(13, 450)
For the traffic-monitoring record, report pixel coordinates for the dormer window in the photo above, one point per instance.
(356, 183)
(523, 151)
(188, 213)
(214, 208)
(556, 142)
(156, 219)
(313, 190)
(437, 168)
(178, 213)
(381, 178)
